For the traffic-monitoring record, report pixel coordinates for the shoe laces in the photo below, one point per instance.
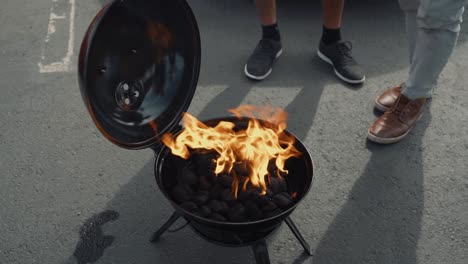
(264, 48)
(399, 106)
(345, 48)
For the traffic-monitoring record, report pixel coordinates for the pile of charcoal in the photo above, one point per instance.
(210, 196)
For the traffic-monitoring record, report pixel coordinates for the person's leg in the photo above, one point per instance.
(260, 63)
(411, 32)
(332, 49)
(266, 10)
(388, 98)
(431, 54)
(332, 15)
(410, 8)
(438, 27)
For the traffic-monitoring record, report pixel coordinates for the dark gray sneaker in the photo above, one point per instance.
(339, 56)
(260, 63)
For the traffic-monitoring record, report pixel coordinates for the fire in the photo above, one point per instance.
(252, 147)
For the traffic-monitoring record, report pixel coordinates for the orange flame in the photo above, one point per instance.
(252, 147)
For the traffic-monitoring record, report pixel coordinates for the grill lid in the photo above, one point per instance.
(138, 69)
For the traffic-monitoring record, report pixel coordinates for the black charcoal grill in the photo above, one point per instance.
(138, 69)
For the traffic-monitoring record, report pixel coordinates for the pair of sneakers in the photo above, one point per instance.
(338, 55)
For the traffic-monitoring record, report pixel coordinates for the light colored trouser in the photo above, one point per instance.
(432, 27)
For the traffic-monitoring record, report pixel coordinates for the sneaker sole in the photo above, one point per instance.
(262, 77)
(380, 140)
(327, 60)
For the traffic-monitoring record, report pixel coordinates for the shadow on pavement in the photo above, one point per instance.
(121, 233)
(381, 221)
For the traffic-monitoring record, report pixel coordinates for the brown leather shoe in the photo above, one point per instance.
(386, 100)
(396, 123)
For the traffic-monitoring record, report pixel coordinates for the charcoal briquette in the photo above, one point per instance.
(210, 176)
(190, 165)
(237, 213)
(242, 180)
(227, 196)
(271, 167)
(259, 199)
(186, 176)
(273, 184)
(178, 161)
(252, 210)
(283, 185)
(253, 189)
(241, 169)
(209, 162)
(189, 207)
(269, 206)
(201, 197)
(218, 206)
(204, 184)
(216, 191)
(182, 193)
(277, 185)
(205, 211)
(212, 155)
(204, 162)
(225, 180)
(244, 195)
(201, 159)
(197, 158)
(273, 213)
(283, 200)
(218, 217)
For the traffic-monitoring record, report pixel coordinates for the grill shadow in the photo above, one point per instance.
(122, 232)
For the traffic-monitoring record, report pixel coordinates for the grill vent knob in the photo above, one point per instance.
(129, 95)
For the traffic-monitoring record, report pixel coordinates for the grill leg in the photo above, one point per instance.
(298, 235)
(165, 227)
(260, 251)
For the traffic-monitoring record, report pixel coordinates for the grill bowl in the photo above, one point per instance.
(299, 179)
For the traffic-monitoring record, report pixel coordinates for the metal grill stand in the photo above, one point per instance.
(259, 248)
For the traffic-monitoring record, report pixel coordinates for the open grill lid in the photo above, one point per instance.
(138, 69)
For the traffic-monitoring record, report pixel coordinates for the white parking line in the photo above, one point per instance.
(62, 65)
(204, 94)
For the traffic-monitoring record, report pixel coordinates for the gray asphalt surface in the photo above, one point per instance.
(69, 196)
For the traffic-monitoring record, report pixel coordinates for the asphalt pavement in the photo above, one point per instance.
(69, 196)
